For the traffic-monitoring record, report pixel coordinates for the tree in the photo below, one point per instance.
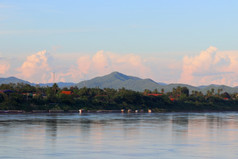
(212, 91)
(51, 93)
(225, 95)
(147, 91)
(1, 97)
(155, 91)
(209, 93)
(55, 88)
(185, 91)
(178, 90)
(219, 90)
(66, 99)
(174, 92)
(162, 90)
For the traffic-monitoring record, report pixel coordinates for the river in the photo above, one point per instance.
(119, 136)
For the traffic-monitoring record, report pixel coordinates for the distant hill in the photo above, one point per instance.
(12, 80)
(17, 80)
(118, 80)
(163, 84)
(223, 87)
(60, 84)
(169, 87)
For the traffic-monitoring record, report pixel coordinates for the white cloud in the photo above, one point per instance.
(106, 62)
(36, 67)
(4, 67)
(39, 67)
(211, 67)
(102, 63)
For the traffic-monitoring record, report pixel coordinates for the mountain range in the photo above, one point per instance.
(17, 80)
(118, 80)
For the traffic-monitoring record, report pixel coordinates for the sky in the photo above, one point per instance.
(171, 41)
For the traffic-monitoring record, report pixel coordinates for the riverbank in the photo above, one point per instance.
(73, 111)
(54, 100)
(106, 111)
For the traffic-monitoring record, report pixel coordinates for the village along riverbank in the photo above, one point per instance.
(20, 98)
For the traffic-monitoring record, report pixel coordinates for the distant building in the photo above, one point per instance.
(66, 92)
(172, 99)
(226, 98)
(155, 94)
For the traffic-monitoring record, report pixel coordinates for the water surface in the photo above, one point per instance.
(117, 136)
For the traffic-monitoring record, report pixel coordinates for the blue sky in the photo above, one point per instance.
(163, 29)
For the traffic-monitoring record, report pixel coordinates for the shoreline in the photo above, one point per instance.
(104, 112)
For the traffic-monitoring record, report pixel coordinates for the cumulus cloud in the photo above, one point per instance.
(36, 67)
(4, 67)
(106, 62)
(39, 67)
(211, 67)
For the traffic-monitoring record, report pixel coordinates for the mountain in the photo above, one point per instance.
(163, 84)
(118, 80)
(60, 84)
(12, 80)
(17, 80)
(114, 80)
(222, 87)
(169, 87)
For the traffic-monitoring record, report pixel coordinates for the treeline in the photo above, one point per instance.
(26, 97)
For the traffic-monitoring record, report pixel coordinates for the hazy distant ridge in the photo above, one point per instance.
(118, 80)
(12, 80)
(17, 80)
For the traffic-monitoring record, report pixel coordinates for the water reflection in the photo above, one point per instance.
(165, 135)
(51, 127)
(180, 124)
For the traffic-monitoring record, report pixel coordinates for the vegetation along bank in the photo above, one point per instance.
(31, 98)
